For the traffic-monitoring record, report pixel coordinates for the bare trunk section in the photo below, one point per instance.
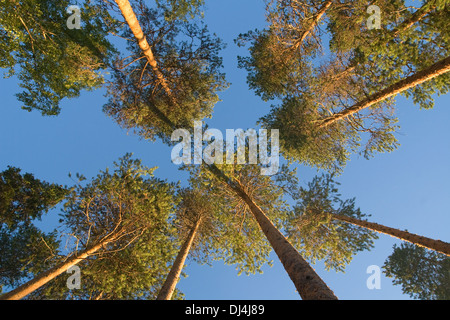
(133, 23)
(436, 245)
(168, 288)
(429, 73)
(307, 282)
(316, 19)
(52, 273)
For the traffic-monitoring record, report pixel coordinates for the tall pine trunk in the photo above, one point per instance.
(168, 288)
(437, 69)
(133, 23)
(309, 285)
(52, 273)
(307, 282)
(436, 245)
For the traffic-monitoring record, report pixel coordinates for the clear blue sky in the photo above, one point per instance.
(406, 189)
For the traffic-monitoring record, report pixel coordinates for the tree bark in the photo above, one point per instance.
(309, 285)
(437, 69)
(307, 282)
(436, 245)
(52, 273)
(168, 288)
(133, 23)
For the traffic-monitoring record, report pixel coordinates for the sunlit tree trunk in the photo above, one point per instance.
(429, 73)
(52, 273)
(310, 27)
(133, 23)
(307, 282)
(414, 18)
(309, 285)
(168, 288)
(436, 245)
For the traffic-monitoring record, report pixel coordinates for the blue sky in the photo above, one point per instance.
(406, 189)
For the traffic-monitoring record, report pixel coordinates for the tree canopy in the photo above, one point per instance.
(332, 79)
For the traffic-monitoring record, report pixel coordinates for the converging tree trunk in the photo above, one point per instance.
(435, 70)
(309, 285)
(436, 245)
(307, 282)
(52, 273)
(168, 288)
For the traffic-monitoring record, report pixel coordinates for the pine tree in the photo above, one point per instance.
(194, 222)
(316, 215)
(168, 80)
(423, 274)
(342, 104)
(25, 249)
(311, 226)
(54, 62)
(24, 198)
(119, 223)
(307, 282)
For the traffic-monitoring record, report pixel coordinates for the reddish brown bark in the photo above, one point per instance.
(52, 273)
(429, 73)
(133, 23)
(168, 288)
(436, 245)
(307, 282)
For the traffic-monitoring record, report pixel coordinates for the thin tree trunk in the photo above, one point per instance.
(168, 288)
(437, 69)
(52, 273)
(307, 282)
(133, 23)
(316, 19)
(415, 17)
(436, 245)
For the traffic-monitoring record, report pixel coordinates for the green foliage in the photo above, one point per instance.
(423, 274)
(24, 198)
(25, 250)
(312, 229)
(134, 208)
(195, 205)
(272, 71)
(313, 83)
(238, 239)
(301, 140)
(398, 49)
(187, 56)
(53, 62)
(181, 9)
